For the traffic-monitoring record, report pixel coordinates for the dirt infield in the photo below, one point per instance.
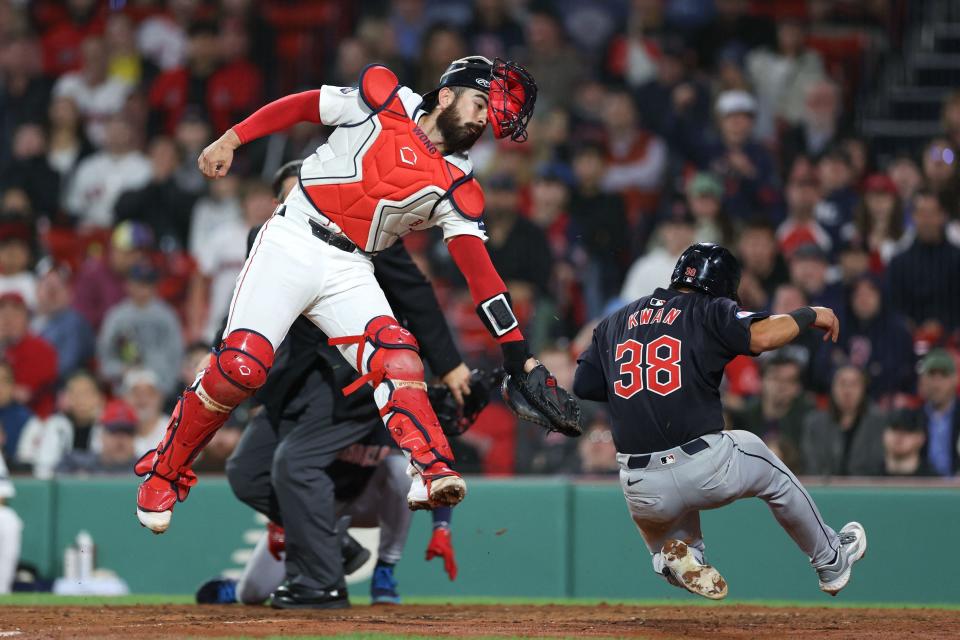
(452, 621)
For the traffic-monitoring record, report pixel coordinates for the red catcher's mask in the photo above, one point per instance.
(512, 96)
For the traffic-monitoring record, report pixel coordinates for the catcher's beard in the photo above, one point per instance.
(457, 137)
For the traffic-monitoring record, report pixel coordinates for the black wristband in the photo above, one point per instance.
(804, 317)
(515, 355)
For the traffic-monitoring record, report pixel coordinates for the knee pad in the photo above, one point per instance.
(385, 351)
(240, 368)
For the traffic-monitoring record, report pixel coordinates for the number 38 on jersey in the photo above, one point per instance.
(654, 366)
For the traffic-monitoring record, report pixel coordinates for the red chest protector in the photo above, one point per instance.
(399, 176)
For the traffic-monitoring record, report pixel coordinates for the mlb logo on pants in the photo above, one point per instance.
(668, 459)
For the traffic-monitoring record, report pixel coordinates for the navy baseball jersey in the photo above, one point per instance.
(661, 359)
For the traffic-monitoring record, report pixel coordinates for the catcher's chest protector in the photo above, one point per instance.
(381, 178)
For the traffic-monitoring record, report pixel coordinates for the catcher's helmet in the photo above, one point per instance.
(473, 72)
(709, 268)
(511, 89)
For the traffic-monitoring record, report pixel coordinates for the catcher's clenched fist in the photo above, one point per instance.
(215, 160)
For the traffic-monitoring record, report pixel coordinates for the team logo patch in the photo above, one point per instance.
(668, 459)
(656, 302)
(408, 156)
(483, 82)
(691, 272)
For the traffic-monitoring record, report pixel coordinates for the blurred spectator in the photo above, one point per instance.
(858, 150)
(950, 118)
(162, 37)
(102, 177)
(100, 281)
(556, 65)
(33, 359)
(68, 144)
(493, 32)
(654, 269)
(75, 428)
(633, 55)
(60, 324)
(778, 413)
(922, 279)
(221, 252)
(782, 77)
(907, 176)
(733, 23)
(192, 135)
(801, 226)
(597, 455)
(818, 127)
(745, 166)
(705, 200)
(518, 248)
(941, 411)
(141, 391)
(441, 44)
(161, 205)
(195, 358)
(853, 261)
(98, 96)
(940, 172)
(24, 92)
(764, 268)
(903, 444)
(125, 61)
(874, 339)
(222, 93)
(839, 199)
(846, 439)
(805, 348)
(408, 23)
(29, 170)
(143, 330)
(16, 259)
(636, 158)
(600, 217)
(11, 530)
(352, 57)
(116, 453)
(879, 220)
(673, 103)
(809, 269)
(14, 416)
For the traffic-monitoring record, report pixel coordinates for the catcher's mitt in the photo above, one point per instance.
(454, 419)
(536, 397)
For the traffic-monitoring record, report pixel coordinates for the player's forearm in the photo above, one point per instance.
(279, 115)
(491, 297)
(776, 331)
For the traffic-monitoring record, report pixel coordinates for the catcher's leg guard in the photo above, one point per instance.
(238, 369)
(391, 357)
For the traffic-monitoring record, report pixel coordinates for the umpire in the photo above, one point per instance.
(279, 465)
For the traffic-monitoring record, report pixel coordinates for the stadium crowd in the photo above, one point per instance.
(657, 125)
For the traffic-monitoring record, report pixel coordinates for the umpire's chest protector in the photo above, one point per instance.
(380, 178)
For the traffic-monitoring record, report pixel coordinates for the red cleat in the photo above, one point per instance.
(157, 495)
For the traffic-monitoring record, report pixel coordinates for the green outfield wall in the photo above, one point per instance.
(545, 538)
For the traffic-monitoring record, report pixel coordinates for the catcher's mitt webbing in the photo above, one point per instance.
(536, 397)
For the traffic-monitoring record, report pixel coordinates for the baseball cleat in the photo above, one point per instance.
(853, 546)
(217, 591)
(417, 498)
(383, 587)
(156, 521)
(447, 491)
(701, 579)
(155, 499)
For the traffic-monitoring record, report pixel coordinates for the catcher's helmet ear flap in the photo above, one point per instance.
(513, 94)
(709, 268)
(472, 72)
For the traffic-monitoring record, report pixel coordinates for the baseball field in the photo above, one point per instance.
(157, 616)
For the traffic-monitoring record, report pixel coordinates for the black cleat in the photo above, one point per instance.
(297, 596)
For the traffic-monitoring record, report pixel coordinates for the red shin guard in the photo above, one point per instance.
(238, 370)
(395, 362)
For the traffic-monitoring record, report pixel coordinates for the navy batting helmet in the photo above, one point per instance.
(709, 268)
